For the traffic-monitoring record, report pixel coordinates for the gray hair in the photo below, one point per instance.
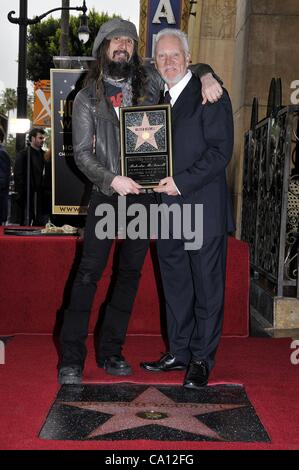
(172, 32)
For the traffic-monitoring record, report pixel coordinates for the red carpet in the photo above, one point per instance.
(36, 273)
(29, 387)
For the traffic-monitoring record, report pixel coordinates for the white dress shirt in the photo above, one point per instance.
(177, 89)
(175, 92)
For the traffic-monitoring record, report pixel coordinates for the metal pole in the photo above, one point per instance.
(22, 67)
(65, 27)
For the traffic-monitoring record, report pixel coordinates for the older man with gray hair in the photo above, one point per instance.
(194, 279)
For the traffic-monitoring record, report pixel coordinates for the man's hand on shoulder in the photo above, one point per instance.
(211, 89)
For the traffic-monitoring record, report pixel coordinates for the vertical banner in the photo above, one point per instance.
(70, 188)
(42, 104)
(159, 14)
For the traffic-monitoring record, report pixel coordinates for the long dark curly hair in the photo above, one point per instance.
(96, 72)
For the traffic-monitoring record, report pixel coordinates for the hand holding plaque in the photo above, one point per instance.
(146, 153)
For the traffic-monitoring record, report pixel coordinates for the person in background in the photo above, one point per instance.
(5, 170)
(37, 166)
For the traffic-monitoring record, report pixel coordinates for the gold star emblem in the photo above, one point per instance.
(153, 407)
(145, 132)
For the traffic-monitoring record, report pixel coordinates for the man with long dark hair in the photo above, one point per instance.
(117, 78)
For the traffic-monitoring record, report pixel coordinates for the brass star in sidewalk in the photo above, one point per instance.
(153, 407)
(145, 132)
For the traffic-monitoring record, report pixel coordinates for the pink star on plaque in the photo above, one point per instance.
(145, 132)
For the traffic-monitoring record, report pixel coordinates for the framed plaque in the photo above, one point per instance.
(145, 136)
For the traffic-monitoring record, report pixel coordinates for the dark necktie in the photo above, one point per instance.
(167, 98)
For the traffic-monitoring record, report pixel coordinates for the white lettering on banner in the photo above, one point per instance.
(164, 10)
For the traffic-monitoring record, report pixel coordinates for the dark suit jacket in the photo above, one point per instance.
(202, 148)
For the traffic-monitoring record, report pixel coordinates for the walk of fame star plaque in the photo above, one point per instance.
(146, 153)
(219, 413)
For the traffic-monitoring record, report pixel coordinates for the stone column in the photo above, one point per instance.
(212, 40)
(247, 42)
(267, 44)
(212, 36)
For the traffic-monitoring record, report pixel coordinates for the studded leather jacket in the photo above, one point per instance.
(96, 136)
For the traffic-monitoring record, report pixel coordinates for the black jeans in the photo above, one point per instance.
(94, 259)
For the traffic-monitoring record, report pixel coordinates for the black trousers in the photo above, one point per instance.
(194, 286)
(94, 259)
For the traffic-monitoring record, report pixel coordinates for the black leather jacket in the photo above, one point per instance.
(95, 119)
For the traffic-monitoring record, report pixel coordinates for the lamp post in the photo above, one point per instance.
(23, 21)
